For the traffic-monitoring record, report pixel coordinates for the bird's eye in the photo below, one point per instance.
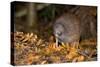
(59, 33)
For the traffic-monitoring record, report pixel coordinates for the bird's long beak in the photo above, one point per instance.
(56, 40)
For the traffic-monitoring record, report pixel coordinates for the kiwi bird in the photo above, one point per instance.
(67, 28)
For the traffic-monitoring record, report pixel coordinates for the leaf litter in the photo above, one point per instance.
(30, 49)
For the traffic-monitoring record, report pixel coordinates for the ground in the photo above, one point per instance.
(28, 48)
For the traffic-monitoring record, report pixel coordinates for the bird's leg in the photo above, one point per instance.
(75, 45)
(67, 44)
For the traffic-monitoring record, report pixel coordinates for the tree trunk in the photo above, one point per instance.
(32, 15)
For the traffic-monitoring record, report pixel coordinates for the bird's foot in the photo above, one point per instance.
(75, 45)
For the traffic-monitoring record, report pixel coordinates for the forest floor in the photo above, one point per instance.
(30, 49)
